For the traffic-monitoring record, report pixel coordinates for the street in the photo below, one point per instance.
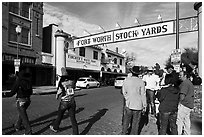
(98, 112)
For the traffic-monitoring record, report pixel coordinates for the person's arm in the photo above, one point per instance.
(59, 89)
(181, 97)
(143, 95)
(13, 90)
(183, 91)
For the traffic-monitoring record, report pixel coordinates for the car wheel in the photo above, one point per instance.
(87, 86)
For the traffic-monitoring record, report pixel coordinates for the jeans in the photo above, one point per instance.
(151, 100)
(71, 107)
(183, 120)
(135, 115)
(22, 105)
(168, 118)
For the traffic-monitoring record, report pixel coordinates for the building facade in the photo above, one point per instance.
(27, 46)
(46, 50)
(95, 61)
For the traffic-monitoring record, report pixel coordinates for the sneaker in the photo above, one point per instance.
(52, 128)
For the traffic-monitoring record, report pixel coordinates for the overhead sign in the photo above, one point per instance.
(144, 31)
(94, 40)
(126, 34)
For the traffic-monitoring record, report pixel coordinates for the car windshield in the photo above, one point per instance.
(81, 79)
(120, 78)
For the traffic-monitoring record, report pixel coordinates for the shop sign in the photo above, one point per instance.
(78, 59)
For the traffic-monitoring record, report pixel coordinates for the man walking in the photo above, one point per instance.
(133, 90)
(23, 89)
(186, 104)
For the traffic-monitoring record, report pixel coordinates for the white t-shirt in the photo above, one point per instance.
(152, 81)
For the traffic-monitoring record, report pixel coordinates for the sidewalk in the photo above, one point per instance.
(37, 90)
(40, 90)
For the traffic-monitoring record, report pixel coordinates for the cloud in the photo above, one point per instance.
(147, 51)
(66, 21)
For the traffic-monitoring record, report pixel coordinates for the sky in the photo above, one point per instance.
(75, 17)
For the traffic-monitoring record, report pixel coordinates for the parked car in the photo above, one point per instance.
(119, 82)
(87, 82)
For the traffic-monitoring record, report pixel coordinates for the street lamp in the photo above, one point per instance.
(17, 61)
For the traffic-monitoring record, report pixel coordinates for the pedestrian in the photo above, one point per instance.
(151, 85)
(23, 88)
(186, 104)
(168, 97)
(133, 90)
(175, 76)
(66, 88)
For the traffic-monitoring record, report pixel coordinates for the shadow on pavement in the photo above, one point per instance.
(93, 119)
(41, 121)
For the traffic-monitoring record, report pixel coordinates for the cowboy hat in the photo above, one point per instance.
(135, 70)
(169, 66)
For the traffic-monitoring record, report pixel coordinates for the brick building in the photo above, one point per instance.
(28, 15)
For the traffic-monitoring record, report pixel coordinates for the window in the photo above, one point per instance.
(82, 51)
(12, 32)
(121, 61)
(25, 9)
(20, 8)
(24, 37)
(14, 7)
(115, 60)
(95, 55)
(102, 56)
(37, 16)
(37, 25)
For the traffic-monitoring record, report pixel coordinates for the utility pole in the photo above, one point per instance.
(177, 25)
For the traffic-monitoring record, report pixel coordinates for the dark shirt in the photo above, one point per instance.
(168, 98)
(187, 89)
(175, 79)
(22, 87)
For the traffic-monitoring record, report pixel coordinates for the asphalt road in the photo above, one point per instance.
(99, 112)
